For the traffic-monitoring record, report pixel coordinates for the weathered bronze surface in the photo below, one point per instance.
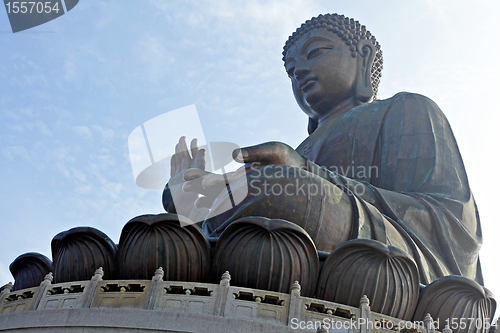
(151, 241)
(454, 297)
(29, 269)
(267, 254)
(385, 274)
(78, 252)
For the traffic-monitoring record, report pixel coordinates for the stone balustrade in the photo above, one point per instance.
(217, 300)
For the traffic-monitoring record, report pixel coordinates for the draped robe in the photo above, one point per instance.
(406, 182)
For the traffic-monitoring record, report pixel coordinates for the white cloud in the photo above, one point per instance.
(43, 128)
(69, 70)
(15, 127)
(17, 152)
(35, 80)
(195, 19)
(155, 56)
(61, 167)
(78, 175)
(83, 189)
(28, 112)
(82, 131)
(106, 133)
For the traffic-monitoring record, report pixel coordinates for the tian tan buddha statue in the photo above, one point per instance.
(378, 184)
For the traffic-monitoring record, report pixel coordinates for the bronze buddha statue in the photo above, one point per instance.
(373, 207)
(378, 175)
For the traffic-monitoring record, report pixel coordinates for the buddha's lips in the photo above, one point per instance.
(308, 83)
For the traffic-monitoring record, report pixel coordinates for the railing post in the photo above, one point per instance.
(322, 329)
(42, 290)
(429, 324)
(294, 306)
(153, 291)
(7, 289)
(447, 329)
(91, 288)
(365, 316)
(220, 303)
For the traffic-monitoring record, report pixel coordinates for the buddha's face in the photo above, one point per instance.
(322, 71)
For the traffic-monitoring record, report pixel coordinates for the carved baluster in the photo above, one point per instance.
(447, 329)
(429, 324)
(154, 288)
(495, 326)
(91, 288)
(321, 329)
(365, 316)
(42, 290)
(7, 289)
(220, 303)
(294, 308)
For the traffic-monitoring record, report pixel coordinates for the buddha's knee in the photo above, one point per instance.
(279, 182)
(298, 196)
(385, 274)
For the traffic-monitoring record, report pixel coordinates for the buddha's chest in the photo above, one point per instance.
(340, 152)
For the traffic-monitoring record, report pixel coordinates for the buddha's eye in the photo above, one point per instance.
(291, 72)
(317, 52)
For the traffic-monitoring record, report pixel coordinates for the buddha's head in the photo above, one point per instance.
(332, 59)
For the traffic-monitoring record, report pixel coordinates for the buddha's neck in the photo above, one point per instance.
(339, 110)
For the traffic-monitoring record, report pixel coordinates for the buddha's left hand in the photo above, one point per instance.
(270, 153)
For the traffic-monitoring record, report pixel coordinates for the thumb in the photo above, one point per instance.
(240, 155)
(260, 153)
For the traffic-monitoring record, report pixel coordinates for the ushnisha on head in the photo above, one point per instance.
(352, 33)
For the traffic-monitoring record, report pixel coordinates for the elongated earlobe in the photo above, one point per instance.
(311, 127)
(364, 90)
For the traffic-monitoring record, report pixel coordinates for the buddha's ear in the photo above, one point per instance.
(311, 127)
(366, 55)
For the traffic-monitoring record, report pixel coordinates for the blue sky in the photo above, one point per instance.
(72, 90)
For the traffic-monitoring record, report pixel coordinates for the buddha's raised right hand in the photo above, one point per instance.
(182, 160)
(191, 189)
(175, 198)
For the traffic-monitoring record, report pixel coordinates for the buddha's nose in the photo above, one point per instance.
(300, 72)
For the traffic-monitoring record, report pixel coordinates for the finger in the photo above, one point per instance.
(183, 149)
(232, 176)
(259, 153)
(172, 165)
(266, 153)
(199, 159)
(214, 180)
(194, 147)
(185, 164)
(177, 160)
(193, 186)
(239, 155)
(204, 202)
(194, 173)
(196, 186)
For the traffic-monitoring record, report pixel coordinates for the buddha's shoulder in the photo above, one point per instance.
(402, 103)
(409, 97)
(405, 100)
